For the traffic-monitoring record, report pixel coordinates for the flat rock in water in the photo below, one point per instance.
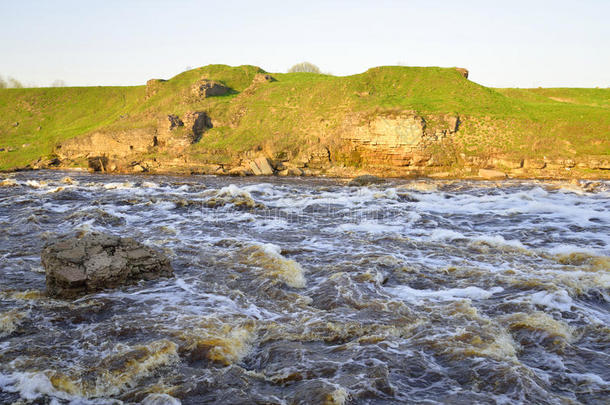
(92, 262)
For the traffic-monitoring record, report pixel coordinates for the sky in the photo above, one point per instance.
(503, 44)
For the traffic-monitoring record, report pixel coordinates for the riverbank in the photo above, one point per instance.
(473, 174)
(388, 121)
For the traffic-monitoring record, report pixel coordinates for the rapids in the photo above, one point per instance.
(307, 291)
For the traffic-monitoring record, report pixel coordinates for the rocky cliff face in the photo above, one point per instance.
(109, 151)
(342, 140)
(398, 143)
(116, 145)
(401, 140)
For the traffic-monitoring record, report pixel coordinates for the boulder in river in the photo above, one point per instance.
(92, 262)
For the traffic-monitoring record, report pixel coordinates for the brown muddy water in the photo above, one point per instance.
(306, 291)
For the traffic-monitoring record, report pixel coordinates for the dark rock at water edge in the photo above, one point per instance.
(78, 265)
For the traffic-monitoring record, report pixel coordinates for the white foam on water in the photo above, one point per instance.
(566, 249)
(287, 270)
(215, 302)
(160, 399)
(472, 292)
(498, 241)
(444, 235)
(347, 197)
(31, 385)
(556, 300)
(57, 208)
(233, 191)
(272, 225)
(265, 190)
(164, 205)
(118, 186)
(413, 216)
(272, 249)
(367, 226)
(588, 379)
(547, 222)
(389, 193)
(36, 183)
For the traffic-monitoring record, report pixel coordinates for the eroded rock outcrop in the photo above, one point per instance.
(103, 150)
(263, 78)
(117, 144)
(197, 122)
(399, 140)
(319, 158)
(260, 79)
(177, 133)
(464, 72)
(76, 266)
(153, 86)
(208, 88)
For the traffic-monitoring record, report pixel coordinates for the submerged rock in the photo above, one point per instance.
(8, 183)
(79, 265)
(365, 180)
(232, 195)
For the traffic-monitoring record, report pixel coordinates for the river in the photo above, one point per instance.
(307, 291)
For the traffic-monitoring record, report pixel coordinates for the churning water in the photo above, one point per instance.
(309, 291)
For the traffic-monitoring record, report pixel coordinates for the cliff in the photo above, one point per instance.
(391, 121)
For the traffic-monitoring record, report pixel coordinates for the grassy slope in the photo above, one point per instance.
(61, 113)
(561, 115)
(301, 108)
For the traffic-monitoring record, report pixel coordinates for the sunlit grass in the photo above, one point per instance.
(306, 108)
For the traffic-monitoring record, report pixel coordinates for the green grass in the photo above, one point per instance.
(300, 110)
(47, 116)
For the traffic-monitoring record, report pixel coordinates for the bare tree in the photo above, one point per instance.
(58, 83)
(304, 67)
(3, 84)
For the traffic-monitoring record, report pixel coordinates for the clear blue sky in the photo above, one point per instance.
(515, 44)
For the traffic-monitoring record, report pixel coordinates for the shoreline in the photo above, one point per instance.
(444, 176)
(390, 121)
